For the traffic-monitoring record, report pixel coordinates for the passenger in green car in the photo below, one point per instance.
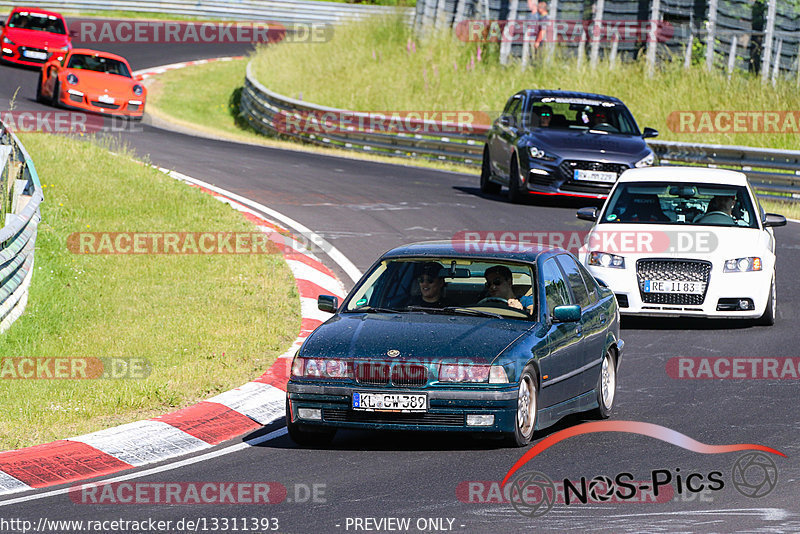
(431, 286)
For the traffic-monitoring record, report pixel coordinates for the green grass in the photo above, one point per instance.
(205, 323)
(787, 209)
(375, 69)
(205, 97)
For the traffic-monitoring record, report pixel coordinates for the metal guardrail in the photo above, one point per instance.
(774, 173)
(269, 112)
(21, 194)
(282, 11)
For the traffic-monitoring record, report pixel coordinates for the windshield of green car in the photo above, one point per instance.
(454, 286)
(680, 203)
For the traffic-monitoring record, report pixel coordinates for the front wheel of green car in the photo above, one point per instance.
(527, 409)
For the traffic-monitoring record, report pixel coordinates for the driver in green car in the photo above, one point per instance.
(499, 285)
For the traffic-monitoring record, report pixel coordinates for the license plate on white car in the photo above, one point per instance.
(671, 286)
(390, 402)
(595, 176)
(34, 55)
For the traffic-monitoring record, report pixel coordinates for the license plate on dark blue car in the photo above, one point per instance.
(390, 402)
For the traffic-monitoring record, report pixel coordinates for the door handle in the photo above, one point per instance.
(603, 319)
(579, 330)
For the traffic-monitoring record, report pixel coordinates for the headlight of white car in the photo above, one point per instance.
(604, 259)
(742, 265)
(646, 161)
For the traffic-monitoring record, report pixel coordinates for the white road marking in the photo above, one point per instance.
(9, 484)
(160, 469)
(302, 271)
(143, 442)
(260, 402)
(347, 266)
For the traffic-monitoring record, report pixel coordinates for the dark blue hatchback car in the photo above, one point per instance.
(562, 143)
(456, 336)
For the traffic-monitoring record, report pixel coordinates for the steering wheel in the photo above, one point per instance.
(604, 126)
(493, 300)
(717, 215)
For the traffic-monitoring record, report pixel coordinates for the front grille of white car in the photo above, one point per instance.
(673, 270)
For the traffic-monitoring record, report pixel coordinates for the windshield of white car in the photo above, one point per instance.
(593, 116)
(453, 286)
(680, 203)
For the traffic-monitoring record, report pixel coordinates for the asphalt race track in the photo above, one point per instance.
(442, 482)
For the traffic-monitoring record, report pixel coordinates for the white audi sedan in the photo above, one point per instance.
(684, 241)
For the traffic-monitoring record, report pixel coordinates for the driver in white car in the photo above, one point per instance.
(719, 211)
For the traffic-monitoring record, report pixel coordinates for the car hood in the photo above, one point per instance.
(673, 241)
(582, 144)
(37, 39)
(415, 335)
(101, 82)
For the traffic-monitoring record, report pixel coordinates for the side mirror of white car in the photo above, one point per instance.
(773, 219)
(587, 214)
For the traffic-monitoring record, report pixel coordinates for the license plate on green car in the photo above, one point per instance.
(390, 402)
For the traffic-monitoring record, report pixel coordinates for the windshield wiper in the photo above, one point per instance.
(374, 309)
(449, 310)
(425, 309)
(468, 311)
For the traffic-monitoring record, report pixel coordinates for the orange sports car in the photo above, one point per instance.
(89, 80)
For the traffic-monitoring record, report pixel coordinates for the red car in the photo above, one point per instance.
(90, 80)
(30, 36)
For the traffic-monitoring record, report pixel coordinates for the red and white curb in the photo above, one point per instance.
(148, 73)
(208, 423)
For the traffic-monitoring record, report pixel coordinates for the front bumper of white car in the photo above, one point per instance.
(739, 294)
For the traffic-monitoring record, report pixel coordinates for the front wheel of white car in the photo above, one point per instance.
(768, 319)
